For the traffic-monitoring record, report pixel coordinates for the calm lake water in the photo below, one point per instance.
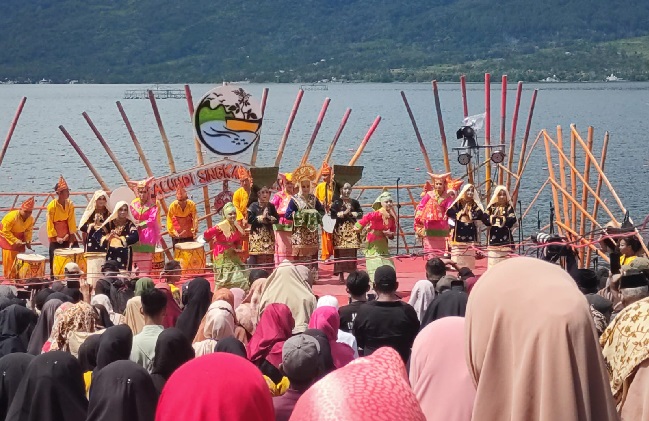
(39, 152)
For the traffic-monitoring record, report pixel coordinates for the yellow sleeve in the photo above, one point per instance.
(72, 223)
(7, 227)
(320, 192)
(194, 215)
(240, 200)
(51, 212)
(29, 229)
(170, 214)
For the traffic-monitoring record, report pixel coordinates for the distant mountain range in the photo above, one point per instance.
(146, 41)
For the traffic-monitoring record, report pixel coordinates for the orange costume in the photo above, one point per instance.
(182, 218)
(15, 234)
(324, 193)
(240, 200)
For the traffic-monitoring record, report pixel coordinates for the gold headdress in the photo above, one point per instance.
(305, 172)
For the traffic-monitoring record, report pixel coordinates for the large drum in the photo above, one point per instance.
(64, 256)
(191, 256)
(158, 261)
(29, 266)
(94, 262)
(497, 254)
(463, 254)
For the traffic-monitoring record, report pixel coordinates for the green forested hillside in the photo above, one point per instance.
(289, 40)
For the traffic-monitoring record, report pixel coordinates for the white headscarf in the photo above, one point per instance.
(92, 205)
(476, 196)
(494, 197)
(113, 215)
(421, 296)
(219, 324)
(327, 301)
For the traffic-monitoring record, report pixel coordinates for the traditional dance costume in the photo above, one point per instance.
(182, 220)
(464, 211)
(15, 234)
(147, 217)
(125, 236)
(240, 200)
(382, 220)
(91, 221)
(324, 193)
(346, 241)
(283, 228)
(431, 222)
(229, 271)
(500, 218)
(61, 223)
(261, 217)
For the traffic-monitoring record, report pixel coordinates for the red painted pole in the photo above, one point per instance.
(440, 122)
(12, 127)
(318, 123)
(512, 139)
(366, 139)
(330, 151)
(503, 118)
(287, 130)
(465, 106)
(487, 130)
(255, 149)
(519, 170)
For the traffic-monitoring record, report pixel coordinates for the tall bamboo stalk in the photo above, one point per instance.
(163, 133)
(314, 135)
(366, 139)
(503, 118)
(555, 195)
(12, 127)
(287, 129)
(512, 139)
(333, 143)
(417, 134)
(487, 130)
(598, 190)
(85, 159)
(440, 122)
(255, 148)
(584, 191)
(107, 148)
(562, 173)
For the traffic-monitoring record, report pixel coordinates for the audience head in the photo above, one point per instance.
(358, 284)
(435, 269)
(110, 268)
(633, 286)
(448, 282)
(115, 344)
(630, 246)
(587, 281)
(257, 274)
(301, 361)
(72, 271)
(154, 305)
(172, 273)
(385, 280)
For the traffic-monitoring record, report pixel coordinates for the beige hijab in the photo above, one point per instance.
(494, 196)
(113, 215)
(133, 317)
(286, 286)
(462, 196)
(218, 323)
(532, 358)
(92, 205)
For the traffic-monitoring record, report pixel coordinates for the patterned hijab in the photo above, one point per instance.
(79, 317)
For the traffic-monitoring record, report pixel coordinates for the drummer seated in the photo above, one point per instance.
(72, 271)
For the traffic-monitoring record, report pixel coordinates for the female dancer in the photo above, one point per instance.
(261, 217)
(145, 209)
(92, 219)
(431, 222)
(283, 228)
(463, 212)
(229, 271)
(500, 218)
(346, 211)
(117, 234)
(382, 225)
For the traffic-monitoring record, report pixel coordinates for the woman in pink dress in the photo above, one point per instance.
(431, 222)
(284, 227)
(145, 210)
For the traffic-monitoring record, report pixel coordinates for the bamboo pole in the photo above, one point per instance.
(562, 174)
(584, 191)
(106, 147)
(417, 134)
(332, 146)
(487, 130)
(504, 169)
(12, 128)
(318, 123)
(512, 139)
(199, 158)
(573, 185)
(555, 195)
(287, 130)
(255, 148)
(522, 169)
(591, 247)
(163, 134)
(598, 190)
(84, 158)
(140, 152)
(366, 139)
(573, 200)
(528, 125)
(465, 107)
(503, 118)
(538, 193)
(440, 121)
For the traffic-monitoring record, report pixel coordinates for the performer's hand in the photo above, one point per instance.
(261, 218)
(182, 234)
(29, 246)
(59, 240)
(340, 214)
(355, 214)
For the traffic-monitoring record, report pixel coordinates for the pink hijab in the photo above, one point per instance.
(439, 374)
(327, 320)
(275, 326)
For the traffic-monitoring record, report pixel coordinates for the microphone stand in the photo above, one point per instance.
(520, 228)
(398, 214)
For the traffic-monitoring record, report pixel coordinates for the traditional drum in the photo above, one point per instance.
(30, 266)
(191, 256)
(64, 256)
(158, 261)
(463, 254)
(497, 254)
(94, 262)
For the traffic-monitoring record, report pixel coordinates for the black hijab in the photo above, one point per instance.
(172, 350)
(104, 317)
(41, 296)
(16, 326)
(58, 286)
(88, 353)
(59, 296)
(231, 345)
(74, 293)
(115, 344)
(51, 390)
(197, 298)
(12, 370)
(448, 303)
(118, 291)
(123, 390)
(43, 328)
(326, 360)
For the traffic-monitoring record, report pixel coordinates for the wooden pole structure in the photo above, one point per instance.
(573, 184)
(12, 127)
(321, 116)
(574, 201)
(512, 138)
(366, 139)
(106, 147)
(562, 175)
(524, 143)
(140, 152)
(538, 193)
(85, 159)
(503, 118)
(440, 122)
(591, 247)
(487, 128)
(555, 195)
(598, 190)
(417, 134)
(522, 169)
(287, 130)
(465, 106)
(332, 146)
(163, 134)
(255, 148)
(199, 158)
(584, 191)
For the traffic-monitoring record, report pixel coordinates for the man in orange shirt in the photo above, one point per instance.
(61, 222)
(16, 235)
(324, 193)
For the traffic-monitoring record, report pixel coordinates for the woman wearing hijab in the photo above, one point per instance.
(173, 310)
(115, 344)
(532, 358)
(327, 320)
(172, 350)
(91, 221)
(43, 327)
(286, 286)
(88, 358)
(238, 295)
(218, 324)
(197, 299)
(52, 389)
(448, 303)
(104, 321)
(122, 390)
(265, 347)
(342, 395)
(343, 337)
(133, 315)
(231, 345)
(421, 296)
(221, 386)
(438, 372)
(104, 301)
(500, 218)
(77, 318)
(117, 234)
(12, 371)
(16, 326)
(40, 297)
